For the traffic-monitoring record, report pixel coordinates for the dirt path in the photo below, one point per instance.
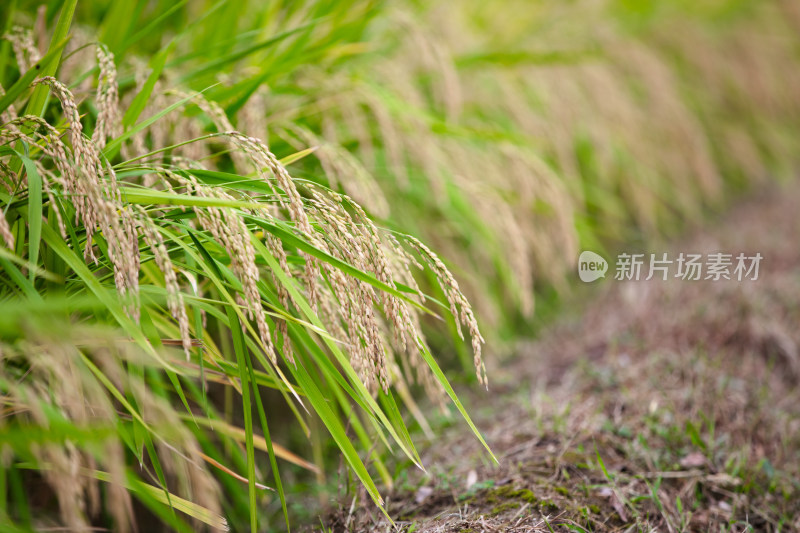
(665, 406)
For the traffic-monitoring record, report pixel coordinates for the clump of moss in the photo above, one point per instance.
(509, 492)
(503, 507)
(549, 505)
(564, 491)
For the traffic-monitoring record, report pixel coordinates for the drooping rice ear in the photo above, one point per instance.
(108, 123)
(100, 205)
(5, 232)
(175, 303)
(459, 306)
(25, 50)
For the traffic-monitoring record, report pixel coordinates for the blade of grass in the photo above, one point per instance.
(270, 447)
(5, 45)
(155, 23)
(241, 355)
(150, 197)
(440, 377)
(34, 213)
(236, 56)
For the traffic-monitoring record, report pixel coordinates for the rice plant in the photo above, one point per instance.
(138, 283)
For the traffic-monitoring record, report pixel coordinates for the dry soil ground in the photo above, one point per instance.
(664, 406)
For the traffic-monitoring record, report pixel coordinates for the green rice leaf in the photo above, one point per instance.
(37, 70)
(34, 212)
(140, 100)
(49, 64)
